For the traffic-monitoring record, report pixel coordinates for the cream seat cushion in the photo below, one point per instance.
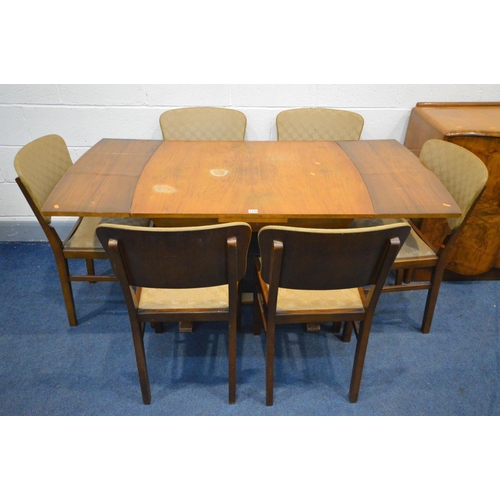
(413, 247)
(291, 300)
(179, 299)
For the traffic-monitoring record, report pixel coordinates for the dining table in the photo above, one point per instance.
(304, 183)
(313, 184)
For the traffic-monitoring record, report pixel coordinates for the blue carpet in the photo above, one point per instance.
(49, 368)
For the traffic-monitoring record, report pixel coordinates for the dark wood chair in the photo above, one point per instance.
(464, 175)
(319, 275)
(40, 165)
(318, 124)
(179, 274)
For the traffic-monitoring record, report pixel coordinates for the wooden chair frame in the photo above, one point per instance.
(435, 265)
(368, 261)
(126, 257)
(465, 176)
(62, 254)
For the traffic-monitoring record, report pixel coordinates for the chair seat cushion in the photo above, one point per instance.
(413, 247)
(318, 300)
(182, 299)
(85, 236)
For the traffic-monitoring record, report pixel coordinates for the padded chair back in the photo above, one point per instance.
(203, 124)
(40, 165)
(462, 173)
(318, 124)
(329, 259)
(189, 257)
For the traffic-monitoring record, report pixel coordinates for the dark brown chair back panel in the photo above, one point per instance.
(328, 259)
(178, 257)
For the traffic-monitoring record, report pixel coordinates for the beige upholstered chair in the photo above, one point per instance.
(464, 175)
(318, 275)
(203, 124)
(318, 124)
(40, 165)
(179, 274)
(200, 124)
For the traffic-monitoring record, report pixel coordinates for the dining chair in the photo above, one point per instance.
(39, 166)
(203, 124)
(320, 275)
(200, 124)
(464, 175)
(179, 274)
(318, 124)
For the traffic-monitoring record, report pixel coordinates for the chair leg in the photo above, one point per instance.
(359, 360)
(90, 268)
(67, 290)
(140, 357)
(399, 276)
(239, 323)
(346, 332)
(432, 296)
(257, 323)
(408, 275)
(232, 361)
(270, 335)
(158, 327)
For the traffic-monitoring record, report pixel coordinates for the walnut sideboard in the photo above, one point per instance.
(476, 127)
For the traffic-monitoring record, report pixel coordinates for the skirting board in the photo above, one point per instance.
(31, 230)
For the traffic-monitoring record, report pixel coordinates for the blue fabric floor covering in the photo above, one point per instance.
(49, 368)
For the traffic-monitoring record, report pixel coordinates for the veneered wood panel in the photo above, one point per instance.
(397, 181)
(103, 180)
(258, 182)
(250, 180)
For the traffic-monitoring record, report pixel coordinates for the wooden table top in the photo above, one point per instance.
(259, 182)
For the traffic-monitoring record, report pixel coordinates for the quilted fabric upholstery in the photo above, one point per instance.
(318, 124)
(413, 247)
(85, 236)
(461, 172)
(40, 164)
(203, 124)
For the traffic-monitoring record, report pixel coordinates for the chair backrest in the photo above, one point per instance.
(203, 124)
(318, 124)
(329, 259)
(188, 257)
(40, 165)
(462, 173)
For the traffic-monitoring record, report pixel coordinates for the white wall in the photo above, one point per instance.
(83, 114)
